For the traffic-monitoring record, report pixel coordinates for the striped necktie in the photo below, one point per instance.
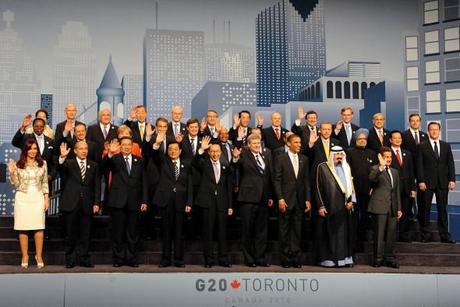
(82, 170)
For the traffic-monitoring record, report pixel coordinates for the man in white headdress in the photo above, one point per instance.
(334, 199)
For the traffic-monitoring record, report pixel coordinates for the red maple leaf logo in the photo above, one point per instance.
(235, 284)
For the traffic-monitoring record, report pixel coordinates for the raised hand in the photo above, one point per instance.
(236, 152)
(236, 120)
(260, 119)
(133, 113)
(339, 125)
(241, 134)
(382, 162)
(160, 138)
(68, 126)
(64, 150)
(313, 138)
(26, 121)
(179, 137)
(149, 130)
(114, 147)
(203, 124)
(300, 112)
(205, 142)
(218, 125)
(12, 166)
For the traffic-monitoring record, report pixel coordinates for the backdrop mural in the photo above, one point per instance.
(393, 56)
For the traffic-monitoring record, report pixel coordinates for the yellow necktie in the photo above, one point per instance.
(326, 148)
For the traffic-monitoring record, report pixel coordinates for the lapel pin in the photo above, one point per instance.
(88, 166)
(182, 165)
(135, 160)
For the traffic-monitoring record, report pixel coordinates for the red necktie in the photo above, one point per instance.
(398, 156)
(277, 132)
(381, 136)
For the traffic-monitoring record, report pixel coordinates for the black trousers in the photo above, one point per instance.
(425, 209)
(171, 228)
(290, 229)
(385, 226)
(406, 208)
(77, 236)
(125, 235)
(364, 224)
(254, 222)
(214, 221)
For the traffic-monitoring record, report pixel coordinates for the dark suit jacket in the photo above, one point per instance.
(409, 143)
(435, 173)
(210, 192)
(373, 141)
(293, 190)
(342, 136)
(254, 187)
(127, 190)
(96, 135)
(270, 139)
(48, 151)
(406, 171)
(316, 154)
(179, 191)
(134, 125)
(74, 189)
(170, 131)
(186, 146)
(225, 154)
(60, 129)
(233, 136)
(304, 133)
(360, 161)
(385, 197)
(92, 154)
(207, 132)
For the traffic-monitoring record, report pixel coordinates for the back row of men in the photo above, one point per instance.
(176, 166)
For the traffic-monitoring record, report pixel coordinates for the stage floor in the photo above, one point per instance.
(12, 269)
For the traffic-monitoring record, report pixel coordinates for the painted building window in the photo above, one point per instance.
(411, 48)
(413, 104)
(318, 90)
(431, 12)
(412, 78)
(346, 89)
(433, 101)
(355, 90)
(452, 69)
(330, 89)
(432, 72)
(451, 10)
(338, 89)
(451, 39)
(432, 42)
(453, 100)
(363, 88)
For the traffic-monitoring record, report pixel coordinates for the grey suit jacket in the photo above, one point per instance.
(384, 197)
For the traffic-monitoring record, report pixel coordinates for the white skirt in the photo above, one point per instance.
(29, 210)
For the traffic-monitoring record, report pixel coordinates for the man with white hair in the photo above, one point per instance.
(176, 127)
(103, 131)
(334, 198)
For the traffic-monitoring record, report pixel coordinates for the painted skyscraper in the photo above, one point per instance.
(74, 69)
(290, 49)
(133, 86)
(173, 70)
(110, 94)
(19, 88)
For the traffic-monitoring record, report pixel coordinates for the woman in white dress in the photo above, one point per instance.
(30, 177)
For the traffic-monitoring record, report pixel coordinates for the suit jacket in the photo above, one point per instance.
(207, 132)
(186, 146)
(373, 141)
(409, 143)
(225, 153)
(293, 190)
(316, 154)
(435, 173)
(74, 189)
(48, 151)
(96, 135)
(342, 136)
(92, 149)
(170, 131)
(304, 133)
(384, 197)
(233, 136)
(270, 140)
(127, 190)
(406, 171)
(210, 191)
(254, 187)
(360, 161)
(60, 129)
(134, 125)
(179, 191)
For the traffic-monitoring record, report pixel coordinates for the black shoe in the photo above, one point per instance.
(285, 265)
(377, 264)
(392, 264)
(164, 264)
(406, 240)
(262, 264)
(179, 264)
(69, 265)
(86, 265)
(117, 265)
(250, 264)
(448, 240)
(208, 265)
(349, 265)
(133, 264)
(225, 264)
(296, 264)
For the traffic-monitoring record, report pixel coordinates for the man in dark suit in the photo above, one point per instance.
(175, 126)
(79, 201)
(191, 140)
(45, 144)
(412, 137)
(311, 118)
(225, 144)
(273, 136)
(65, 129)
(102, 132)
(385, 207)
(137, 121)
(215, 198)
(210, 125)
(80, 136)
(378, 135)
(161, 127)
(402, 161)
(435, 175)
(292, 188)
(128, 195)
(344, 130)
(240, 130)
(174, 197)
(281, 150)
(255, 196)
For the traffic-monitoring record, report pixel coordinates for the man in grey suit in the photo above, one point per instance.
(385, 206)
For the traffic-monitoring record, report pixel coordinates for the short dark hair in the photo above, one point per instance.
(310, 112)
(38, 119)
(292, 136)
(126, 138)
(161, 119)
(80, 124)
(414, 115)
(434, 123)
(385, 149)
(43, 111)
(172, 143)
(192, 120)
(395, 131)
(141, 106)
(244, 111)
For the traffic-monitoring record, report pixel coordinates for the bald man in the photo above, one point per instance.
(273, 136)
(65, 129)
